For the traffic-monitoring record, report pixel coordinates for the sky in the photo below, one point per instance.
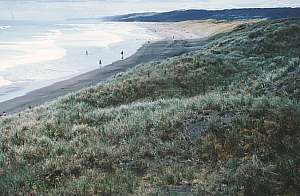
(68, 9)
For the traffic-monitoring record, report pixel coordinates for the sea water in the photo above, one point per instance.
(35, 54)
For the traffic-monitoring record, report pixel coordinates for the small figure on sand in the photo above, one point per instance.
(86, 52)
(3, 114)
(100, 63)
(122, 55)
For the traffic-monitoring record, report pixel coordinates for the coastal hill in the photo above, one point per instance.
(229, 14)
(221, 120)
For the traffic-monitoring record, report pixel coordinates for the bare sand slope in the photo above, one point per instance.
(191, 29)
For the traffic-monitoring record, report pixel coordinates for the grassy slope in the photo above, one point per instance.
(222, 120)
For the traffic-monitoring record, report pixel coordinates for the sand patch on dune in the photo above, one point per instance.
(191, 29)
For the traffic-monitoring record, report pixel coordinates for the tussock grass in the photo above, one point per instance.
(222, 120)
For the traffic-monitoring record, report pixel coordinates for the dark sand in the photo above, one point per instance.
(149, 52)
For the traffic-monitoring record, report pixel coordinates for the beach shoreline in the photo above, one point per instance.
(57, 52)
(157, 49)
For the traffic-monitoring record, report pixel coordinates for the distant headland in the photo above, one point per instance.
(192, 14)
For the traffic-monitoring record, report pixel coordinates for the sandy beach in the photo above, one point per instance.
(189, 36)
(189, 29)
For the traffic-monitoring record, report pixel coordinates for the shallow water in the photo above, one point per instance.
(37, 54)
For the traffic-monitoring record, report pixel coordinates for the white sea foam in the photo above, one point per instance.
(4, 27)
(20, 53)
(4, 82)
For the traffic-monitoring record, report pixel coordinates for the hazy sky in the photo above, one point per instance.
(66, 9)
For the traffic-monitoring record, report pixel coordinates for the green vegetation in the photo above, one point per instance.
(224, 120)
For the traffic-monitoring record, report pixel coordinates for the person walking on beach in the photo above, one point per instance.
(86, 52)
(122, 55)
(100, 63)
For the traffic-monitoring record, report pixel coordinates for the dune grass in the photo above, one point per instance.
(224, 120)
